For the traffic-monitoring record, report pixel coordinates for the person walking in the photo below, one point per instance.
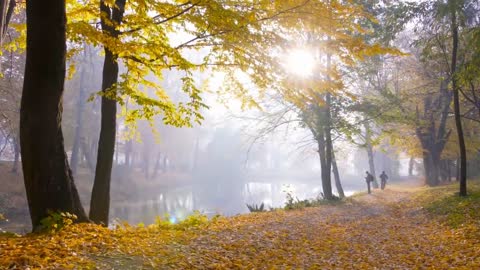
(369, 179)
(384, 178)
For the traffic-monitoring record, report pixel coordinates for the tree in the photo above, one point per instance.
(47, 175)
(230, 33)
(451, 21)
(456, 99)
(339, 41)
(370, 153)
(111, 19)
(428, 99)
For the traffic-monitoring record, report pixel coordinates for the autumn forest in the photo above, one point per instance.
(240, 134)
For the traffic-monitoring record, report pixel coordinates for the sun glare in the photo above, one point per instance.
(300, 62)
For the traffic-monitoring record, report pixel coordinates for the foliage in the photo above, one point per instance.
(187, 37)
(256, 208)
(56, 221)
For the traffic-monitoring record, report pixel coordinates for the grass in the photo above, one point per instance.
(445, 203)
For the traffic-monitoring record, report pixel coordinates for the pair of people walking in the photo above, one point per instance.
(369, 179)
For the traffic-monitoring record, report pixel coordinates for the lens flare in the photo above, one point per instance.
(300, 62)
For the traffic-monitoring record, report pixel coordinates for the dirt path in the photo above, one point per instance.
(377, 231)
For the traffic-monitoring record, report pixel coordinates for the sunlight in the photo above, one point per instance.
(300, 62)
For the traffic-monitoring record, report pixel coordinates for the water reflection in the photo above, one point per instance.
(178, 203)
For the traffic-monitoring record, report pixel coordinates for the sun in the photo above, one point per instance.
(300, 62)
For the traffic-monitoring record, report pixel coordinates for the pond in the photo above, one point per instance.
(177, 203)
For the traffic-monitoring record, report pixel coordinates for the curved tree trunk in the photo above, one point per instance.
(47, 176)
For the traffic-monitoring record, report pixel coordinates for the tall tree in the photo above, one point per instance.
(111, 19)
(342, 41)
(370, 153)
(452, 4)
(47, 175)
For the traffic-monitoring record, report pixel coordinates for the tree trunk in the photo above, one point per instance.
(146, 160)
(456, 104)
(336, 174)
(326, 184)
(411, 163)
(371, 158)
(328, 132)
(432, 136)
(326, 127)
(128, 151)
(48, 179)
(449, 170)
(78, 123)
(165, 163)
(457, 166)
(87, 154)
(16, 157)
(100, 202)
(157, 165)
(432, 168)
(196, 153)
(445, 171)
(431, 158)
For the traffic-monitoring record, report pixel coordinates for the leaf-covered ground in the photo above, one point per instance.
(394, 229)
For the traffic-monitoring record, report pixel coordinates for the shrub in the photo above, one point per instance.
(194, 220)
(55, 221)
(295, 203)
(256, 208)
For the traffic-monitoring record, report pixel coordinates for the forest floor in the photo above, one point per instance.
(403, 227)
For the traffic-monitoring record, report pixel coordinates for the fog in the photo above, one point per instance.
(236, 156)
(232, 159)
